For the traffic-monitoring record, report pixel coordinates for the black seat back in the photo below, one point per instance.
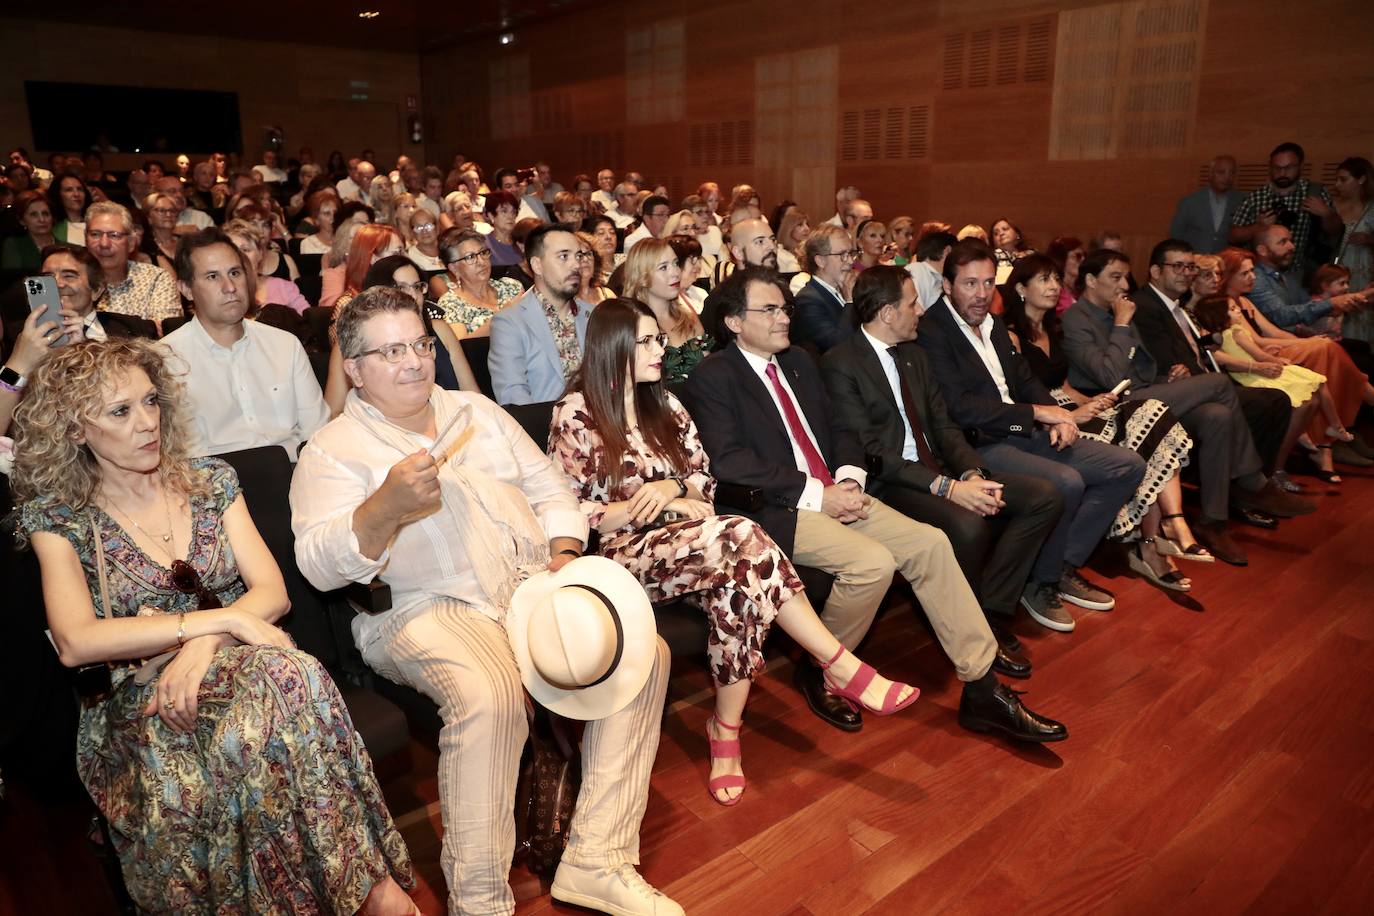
(476, 349)
(535, 419)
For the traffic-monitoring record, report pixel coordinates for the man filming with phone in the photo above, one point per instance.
(1290, 200)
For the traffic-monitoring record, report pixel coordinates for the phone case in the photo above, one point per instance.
(42, 295)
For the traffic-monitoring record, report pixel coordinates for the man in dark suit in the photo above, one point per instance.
(1108, 337)
(991, 392)
(822, 305)
(766, 423)
(1203, 218)
(882, 389)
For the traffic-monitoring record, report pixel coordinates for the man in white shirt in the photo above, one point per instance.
(188, 219)
(842, 198)
(359, 180)
(656, 213)
(928, 269)
(623, 213)
(411, 484)
(550, 187)
(269, 171)
(605, 190)
(856, 212)
(250, 384)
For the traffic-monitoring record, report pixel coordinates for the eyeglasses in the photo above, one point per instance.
(395, 352)
(573, 211)
(851, 253)
(1183, 267)
(646, 342)
(186, 580)
(164, 211)
(584, 255)
(418, 288)
(773, 311)
(422, 227)
(483, 255)
(98, 234)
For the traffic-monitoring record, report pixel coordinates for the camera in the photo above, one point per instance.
(1286, 217)
(35, 288)
(526, 175)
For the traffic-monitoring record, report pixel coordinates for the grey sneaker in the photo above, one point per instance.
(1074, 589)
(1041, 601)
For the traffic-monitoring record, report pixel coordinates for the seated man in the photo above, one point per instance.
(250, 384)
(1020, 429)
(766, 423)
(80, 284)
(1278, 291)
(881, 387)
(536, 341)
(823, 311)
(932, 247)
(369, 499)
(751, 244)
(1109, 337)
(131, 288)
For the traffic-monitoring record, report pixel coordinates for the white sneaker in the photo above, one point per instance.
(620, 891)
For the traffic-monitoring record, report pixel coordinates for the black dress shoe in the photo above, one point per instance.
(1005, 638)
(1011, 664)
(1001, 710)
(1255, 517)
(811, 682)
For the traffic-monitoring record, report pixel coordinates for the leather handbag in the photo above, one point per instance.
(546, 791)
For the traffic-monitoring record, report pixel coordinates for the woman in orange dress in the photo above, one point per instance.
(1349, 386)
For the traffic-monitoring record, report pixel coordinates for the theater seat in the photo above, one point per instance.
(476, 350)
(265, 475)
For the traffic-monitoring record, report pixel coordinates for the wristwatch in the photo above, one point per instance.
(12, 379)
(681, 487)
(976, 472)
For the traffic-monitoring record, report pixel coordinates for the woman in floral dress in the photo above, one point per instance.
(644, 482)
(223, 759)
(466, 291)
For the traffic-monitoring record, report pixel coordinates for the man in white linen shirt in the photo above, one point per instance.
(373, 496)
(250, 384)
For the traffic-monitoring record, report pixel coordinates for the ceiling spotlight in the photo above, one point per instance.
(507, 38)
(369, 14)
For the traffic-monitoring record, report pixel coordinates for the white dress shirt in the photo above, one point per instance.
(605, 198)
(260, 391)
(982, 345)
(895, 383)
(621, 220)
(711, 242)
(422, 260)
(344, 464)
(814, 489)
(193, 217)
(787, 262)
(270, 174)
(930, 286)
(638, 235)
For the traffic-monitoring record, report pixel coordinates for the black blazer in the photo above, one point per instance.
(1161, 334)
(746, 438)
(820, 320)
(863, 400)
(970, 393)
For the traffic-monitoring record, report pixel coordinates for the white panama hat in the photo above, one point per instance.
(584, 637)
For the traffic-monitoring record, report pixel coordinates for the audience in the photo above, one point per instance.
(174, 754)
(765, 423)
(1021, 429)
(494, 504)
(501, 211)
(1278, 289)
(248, 384)
(451, 368)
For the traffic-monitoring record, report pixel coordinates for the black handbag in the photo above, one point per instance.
(546, 791)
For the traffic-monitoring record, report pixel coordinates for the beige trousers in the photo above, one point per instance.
(462, 660)
(864, 555)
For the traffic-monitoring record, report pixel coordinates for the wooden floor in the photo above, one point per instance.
(1220, 760)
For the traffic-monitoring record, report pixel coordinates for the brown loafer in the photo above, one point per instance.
(1217, 540)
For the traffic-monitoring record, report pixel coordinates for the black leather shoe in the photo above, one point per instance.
(1010, 663)
(1002, 711)
(1255, 517)
(811, 682)
(1005, 638)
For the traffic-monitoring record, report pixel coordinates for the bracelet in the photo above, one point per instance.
(570, 551)
(681, 486)
(181, 629)
(6, 386)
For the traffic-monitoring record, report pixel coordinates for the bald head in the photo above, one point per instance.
(855, 212)
(1222, 175)
(752, 244)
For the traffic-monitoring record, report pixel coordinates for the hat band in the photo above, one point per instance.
(619, 634)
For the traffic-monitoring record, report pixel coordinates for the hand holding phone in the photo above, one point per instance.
(42, 296)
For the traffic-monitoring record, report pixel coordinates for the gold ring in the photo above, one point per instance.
(170, 703)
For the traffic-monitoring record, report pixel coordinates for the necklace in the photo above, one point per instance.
(160, 539)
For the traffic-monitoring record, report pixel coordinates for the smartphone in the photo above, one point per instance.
(42, 295)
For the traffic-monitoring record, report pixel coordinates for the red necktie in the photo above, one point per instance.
(815, 464)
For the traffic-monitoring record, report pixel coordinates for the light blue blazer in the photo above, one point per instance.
(523, 360)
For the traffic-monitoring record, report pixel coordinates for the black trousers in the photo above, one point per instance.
(995, 554)
(1268, 413)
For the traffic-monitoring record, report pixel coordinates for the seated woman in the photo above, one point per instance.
(1067, 252)
(901, 239)
(1008, 247)
(1206, 281)
(602, 230)
(423, 230)
(654, 279)
(323, 205)
(466, 293)
(870, 237)
(21, 252)
(589, 270)
(1147, 428)
(275, 262)
(1252, 365)
(267, 290)
(792, 231)
(160, 241)
(1348, 387)
(502, 210)
(457, 211)
(223, 759)
(644, 481)
(689, 258)
(69, 199)
(382, 197)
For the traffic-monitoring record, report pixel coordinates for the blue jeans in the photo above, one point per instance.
(1095, 480)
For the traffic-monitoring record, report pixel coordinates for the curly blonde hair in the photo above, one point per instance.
(66, 393)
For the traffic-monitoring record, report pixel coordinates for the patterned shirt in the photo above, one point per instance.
(1266, 198)
(564, 328)
(474, 316)
(147, 292)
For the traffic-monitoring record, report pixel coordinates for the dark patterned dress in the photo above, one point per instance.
(270, 804)
(729, 565)
(1148, 428)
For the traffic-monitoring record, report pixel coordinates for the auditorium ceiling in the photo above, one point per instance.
(400, 25)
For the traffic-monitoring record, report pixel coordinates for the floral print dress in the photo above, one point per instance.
(726, 562)
(472, 317)
(270, 804)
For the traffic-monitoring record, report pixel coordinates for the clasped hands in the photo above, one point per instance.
(845, 501)
(660, 496)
